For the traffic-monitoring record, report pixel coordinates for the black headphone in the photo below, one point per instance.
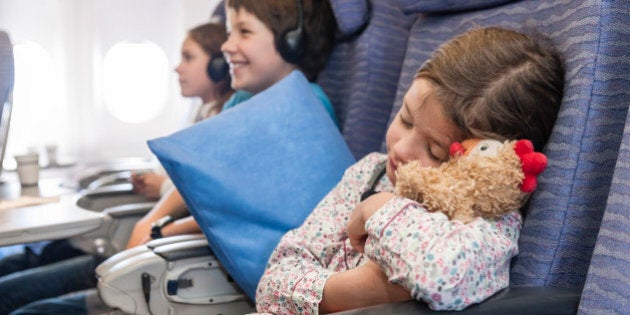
(218, 68)
(380, 172)
(291, 44)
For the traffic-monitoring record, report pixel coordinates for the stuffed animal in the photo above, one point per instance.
(483, 178)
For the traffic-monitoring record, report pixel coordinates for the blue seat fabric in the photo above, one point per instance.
(563, 220)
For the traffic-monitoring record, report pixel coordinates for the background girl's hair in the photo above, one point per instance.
(210, 37)
(281, 16)
(498, 83)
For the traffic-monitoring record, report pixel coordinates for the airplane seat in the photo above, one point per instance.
(607, 287)
(571, 245)
(362, 73)
(564, 237)
(121, 209)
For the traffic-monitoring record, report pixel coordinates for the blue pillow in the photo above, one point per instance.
(255, 171)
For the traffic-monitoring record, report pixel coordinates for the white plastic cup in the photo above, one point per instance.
(28, 168)
(51, 153)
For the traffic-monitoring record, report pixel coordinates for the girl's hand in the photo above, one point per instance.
(362, 212)
(148, 184)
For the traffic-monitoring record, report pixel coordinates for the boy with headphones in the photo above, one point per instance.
(267, 40)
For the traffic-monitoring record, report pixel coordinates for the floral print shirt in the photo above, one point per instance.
(447, 264)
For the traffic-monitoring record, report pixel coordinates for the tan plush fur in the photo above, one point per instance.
(466, 187)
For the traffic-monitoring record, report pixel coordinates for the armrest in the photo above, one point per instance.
(109, 179)
(184, 250)
(129, 209)
(174, 239)
(530, 300)
(110, 190)
(172, 277)
(110, 196)
(148, 247)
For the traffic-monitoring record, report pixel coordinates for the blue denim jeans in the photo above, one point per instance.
(52, 252)
(55, 279)
(74, 304)
(77, 303)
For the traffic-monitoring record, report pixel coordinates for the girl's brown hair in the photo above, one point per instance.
(210, 37)
(498, 83)
(281, 16)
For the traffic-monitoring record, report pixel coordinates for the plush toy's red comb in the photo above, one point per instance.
(533, 163)
(456, 149)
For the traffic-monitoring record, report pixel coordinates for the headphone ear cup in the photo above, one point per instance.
(218, 68)
(291, 45)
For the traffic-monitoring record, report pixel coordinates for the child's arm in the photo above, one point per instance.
(447, 264)
(362, 286)
(306, 257)
(362, 212)
(296, 272)
(171, 203)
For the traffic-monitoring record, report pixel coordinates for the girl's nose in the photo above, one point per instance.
(404, 150)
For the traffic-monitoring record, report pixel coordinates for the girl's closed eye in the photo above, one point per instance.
(437, 154)
(405, 122)
(433, 156)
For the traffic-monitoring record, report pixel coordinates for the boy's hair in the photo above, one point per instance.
(210, 37)
(281, 16)
(497, 83)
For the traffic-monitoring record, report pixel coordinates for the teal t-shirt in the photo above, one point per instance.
(241, 96)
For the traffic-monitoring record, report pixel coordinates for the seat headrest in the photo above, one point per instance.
(351, 15)
(435, 6)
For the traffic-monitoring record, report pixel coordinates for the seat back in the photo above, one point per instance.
(607, 286)
(565, 213)
(363, 70)
(7, 78)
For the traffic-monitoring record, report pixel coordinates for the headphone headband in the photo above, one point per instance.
(291, 44)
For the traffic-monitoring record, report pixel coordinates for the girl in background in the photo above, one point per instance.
(203, 73)
(63, 269)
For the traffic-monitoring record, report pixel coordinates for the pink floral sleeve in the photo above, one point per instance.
(447, 264)
(293, 282)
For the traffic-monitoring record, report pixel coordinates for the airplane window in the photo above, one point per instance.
(38, 113)
(135, 81)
